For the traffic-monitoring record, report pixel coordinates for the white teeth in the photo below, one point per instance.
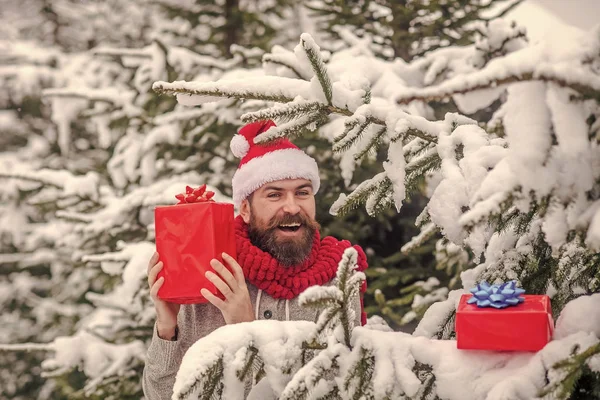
(290, 225)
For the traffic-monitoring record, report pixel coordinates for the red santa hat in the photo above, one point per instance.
(269, 162)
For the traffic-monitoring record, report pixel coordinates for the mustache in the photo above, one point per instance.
(286, 219)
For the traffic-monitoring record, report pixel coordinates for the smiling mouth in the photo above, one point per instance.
(289, 227)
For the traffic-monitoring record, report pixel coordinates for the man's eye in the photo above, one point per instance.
(303, 193)
(272, 195)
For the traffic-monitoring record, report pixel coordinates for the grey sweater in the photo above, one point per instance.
(198, 320)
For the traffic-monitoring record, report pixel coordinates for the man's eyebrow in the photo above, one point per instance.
(279, 189)
(272, 188)
(304, 186)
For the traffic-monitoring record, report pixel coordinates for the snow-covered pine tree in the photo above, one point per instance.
(73, 25)
(81, 178)
(216, 28)
(16, 127)
(521, 196)
(406, 30)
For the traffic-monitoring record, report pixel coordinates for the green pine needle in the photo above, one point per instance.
(286, 112)
(372, 145)
(291, 129)
(320, 70)
(352, 133)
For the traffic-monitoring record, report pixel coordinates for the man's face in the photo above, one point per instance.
(281, 219)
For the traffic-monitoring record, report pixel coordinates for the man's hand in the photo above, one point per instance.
(237, 306)
(166, 313)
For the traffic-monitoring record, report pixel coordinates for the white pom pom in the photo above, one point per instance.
(239, 146)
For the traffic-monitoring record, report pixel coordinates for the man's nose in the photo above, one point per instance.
(291, 206)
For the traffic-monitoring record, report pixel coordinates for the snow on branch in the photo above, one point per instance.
(26, 347)
(521, 66)
(427, 231)
(336, 302)
(372, 190)
(311, 378)
(284, 58)
(98, 360)
(291, 128)
(212, 365)
(383, 364)
(312, 52)
(285, 112)
(282, 90)
(84, 187)
(119, 213)
(218, 364)
(111, 96)
(130, 263)
(120, 52)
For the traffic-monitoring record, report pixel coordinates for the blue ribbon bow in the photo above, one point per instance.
(497, 296)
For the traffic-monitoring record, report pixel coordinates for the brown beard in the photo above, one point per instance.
(288, 251)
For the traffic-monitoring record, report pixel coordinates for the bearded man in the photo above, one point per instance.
(279, 254)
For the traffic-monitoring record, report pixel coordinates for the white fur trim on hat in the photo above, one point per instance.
(239, 146)
(274, 166)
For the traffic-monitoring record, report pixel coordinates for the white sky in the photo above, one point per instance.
(548, 17)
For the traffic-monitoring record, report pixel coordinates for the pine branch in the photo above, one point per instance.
(336, 300)
(503, 12)
(425, 374)
(74, 216)
(285, 112)
(251, 357)
(346, 268)
(210, 381)
(322, 297)
(289, 129)
(372, 144)
(311, 50)
(491, 208)
(418, 168)
(30, 178)
(363, 372)
(326, 318)
(355, 128)
(271, 58)
(311, 374)
(334, 394)
(415, 133)
(96, 95)
(574, 367)
(381, 199)
(231, 89)
(426, 232)
(431, 94)
(345, 204)
(27, 347)
(119, 52)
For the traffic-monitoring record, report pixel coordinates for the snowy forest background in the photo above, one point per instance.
(454, 146)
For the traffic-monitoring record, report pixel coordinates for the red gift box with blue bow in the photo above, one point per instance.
(502, 318)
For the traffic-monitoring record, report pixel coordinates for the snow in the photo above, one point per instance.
(275, 340)
(121, 152)
(394, 169)
(98, 358)
(579, 315)
(426, 232)
(275, 88)
(482, 374)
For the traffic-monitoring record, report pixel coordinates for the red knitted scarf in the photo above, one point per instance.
(281, 282)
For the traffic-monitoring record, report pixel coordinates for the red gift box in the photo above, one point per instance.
(525, 327)
(188, 237)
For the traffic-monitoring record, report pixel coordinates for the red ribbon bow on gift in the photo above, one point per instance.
(198, 195)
